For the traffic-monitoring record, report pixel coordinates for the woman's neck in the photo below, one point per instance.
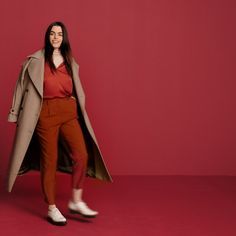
(56, 51)
(57, 57)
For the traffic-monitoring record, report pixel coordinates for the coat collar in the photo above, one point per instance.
(36, 69)
(38, 54)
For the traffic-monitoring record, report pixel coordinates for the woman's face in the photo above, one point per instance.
(56, 36)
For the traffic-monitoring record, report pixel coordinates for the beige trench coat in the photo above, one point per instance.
(25, 110)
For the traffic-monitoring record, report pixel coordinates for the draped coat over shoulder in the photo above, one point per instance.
(25, 110)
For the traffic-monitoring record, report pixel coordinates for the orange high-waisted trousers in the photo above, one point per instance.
(59, 117)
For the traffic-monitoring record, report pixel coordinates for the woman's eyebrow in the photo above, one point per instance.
(55, 32)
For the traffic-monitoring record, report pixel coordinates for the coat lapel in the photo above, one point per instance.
(36, 70)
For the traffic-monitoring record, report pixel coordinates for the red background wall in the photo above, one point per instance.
(159, 76)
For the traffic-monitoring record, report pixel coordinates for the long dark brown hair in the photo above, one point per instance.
(64, 48)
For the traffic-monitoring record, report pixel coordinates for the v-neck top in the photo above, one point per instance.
(58, 84)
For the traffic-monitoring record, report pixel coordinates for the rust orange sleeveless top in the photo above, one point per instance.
(57, 85)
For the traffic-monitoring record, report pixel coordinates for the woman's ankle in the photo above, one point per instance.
(51, 207)
(76, 195)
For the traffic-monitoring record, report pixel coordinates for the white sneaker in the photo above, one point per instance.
(55, 217)
(82, 209)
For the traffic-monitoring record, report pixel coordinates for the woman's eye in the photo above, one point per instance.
(59, 35)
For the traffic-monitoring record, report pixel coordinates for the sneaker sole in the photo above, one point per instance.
(57, 223)
(79, 213)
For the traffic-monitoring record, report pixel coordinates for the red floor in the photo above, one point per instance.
(132, 205)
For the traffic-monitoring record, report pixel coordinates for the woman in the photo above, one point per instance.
(49, 109)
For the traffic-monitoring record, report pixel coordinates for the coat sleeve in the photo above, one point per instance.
(17, 95)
